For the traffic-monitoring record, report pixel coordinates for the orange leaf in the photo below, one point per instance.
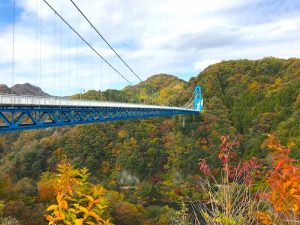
(59, 215)
(49, 218)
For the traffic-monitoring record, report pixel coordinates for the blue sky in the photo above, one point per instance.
(171, 36)
(6, 13)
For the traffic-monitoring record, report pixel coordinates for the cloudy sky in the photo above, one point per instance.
(154, 36)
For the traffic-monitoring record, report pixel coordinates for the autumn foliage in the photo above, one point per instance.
(277, 203)
(77, 201)
(284, 186)
(229, 196)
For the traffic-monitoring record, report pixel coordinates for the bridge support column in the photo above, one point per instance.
(198, 100)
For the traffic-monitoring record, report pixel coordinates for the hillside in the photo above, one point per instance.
(160, 88)
(22, 89)
(243, 98)
(157, 89)
(257, 97)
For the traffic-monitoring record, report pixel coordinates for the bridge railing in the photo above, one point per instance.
(15, 100)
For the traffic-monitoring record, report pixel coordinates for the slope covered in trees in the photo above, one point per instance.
(259, 96)
(153, 162)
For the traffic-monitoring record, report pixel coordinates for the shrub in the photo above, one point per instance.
(229, 198)
(283, 179)
(77, 201)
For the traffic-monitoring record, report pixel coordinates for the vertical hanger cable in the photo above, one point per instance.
(13, 48)
(41, 25)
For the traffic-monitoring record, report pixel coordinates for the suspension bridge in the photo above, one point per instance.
(34, 112)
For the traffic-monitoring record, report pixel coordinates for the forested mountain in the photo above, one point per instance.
(153, 162)
(258, 97)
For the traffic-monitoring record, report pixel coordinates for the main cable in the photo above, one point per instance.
(105, 40)
(188, 100)
(97, 31)
(86, 42)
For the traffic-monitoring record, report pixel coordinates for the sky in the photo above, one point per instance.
(153, 36)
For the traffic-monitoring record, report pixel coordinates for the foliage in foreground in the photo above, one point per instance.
(229, 196)
(77, 201)
(283, 181)
(245, 193)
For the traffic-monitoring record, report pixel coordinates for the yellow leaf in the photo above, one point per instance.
(295, 207)
(90, 223)
(91, 204)
(83, 209)
(52, 207)
(72, 210)
(91, 201)
(101, 206)
(78, 221)
(59, 197)
(106, 222)
(90, 198)
(63, 204)
(93, 214)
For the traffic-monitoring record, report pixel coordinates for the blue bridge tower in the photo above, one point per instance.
(198, 99)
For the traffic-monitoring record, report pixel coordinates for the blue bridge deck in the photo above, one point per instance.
(28, 112)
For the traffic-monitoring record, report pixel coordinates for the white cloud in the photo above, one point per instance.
(171, 36)
(205, 63)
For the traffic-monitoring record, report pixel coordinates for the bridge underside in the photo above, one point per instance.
(25, 118)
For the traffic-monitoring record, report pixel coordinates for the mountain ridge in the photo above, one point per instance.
(22, 89)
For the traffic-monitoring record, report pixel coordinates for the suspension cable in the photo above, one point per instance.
(93, 49)
(86, 42)
(189, 99)
(97, 31)
(105, 40)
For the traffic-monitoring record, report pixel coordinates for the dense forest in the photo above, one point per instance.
(149, 166)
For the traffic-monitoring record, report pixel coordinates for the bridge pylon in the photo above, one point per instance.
(198, 99)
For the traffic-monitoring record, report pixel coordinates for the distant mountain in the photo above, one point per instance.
(159, 89)
(22, 89)
(4, 89)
